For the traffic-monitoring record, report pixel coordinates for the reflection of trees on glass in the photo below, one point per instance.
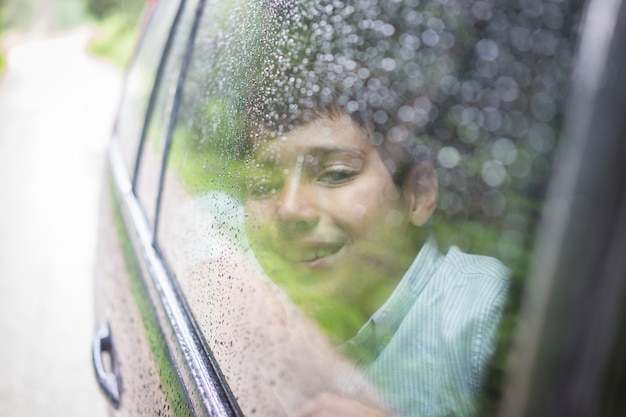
(368, 113)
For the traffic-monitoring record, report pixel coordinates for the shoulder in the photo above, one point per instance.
(481, 280)
(477, 287)
(478, 283)
(476, 266)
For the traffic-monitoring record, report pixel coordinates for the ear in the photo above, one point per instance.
(421, 190)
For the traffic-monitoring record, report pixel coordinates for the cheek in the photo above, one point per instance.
(364, 209)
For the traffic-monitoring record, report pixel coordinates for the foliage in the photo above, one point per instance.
(117, 34)
(3, 7)
(68, 13)
(117, 27)
(2, 62)
(100, 9)
(16, 14)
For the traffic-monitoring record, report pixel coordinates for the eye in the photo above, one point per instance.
(259, 188)
(337, 175)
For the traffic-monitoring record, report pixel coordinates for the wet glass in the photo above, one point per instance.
(140, 79)
(149, 163)
(351, 192)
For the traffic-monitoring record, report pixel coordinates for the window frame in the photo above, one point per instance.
(573, 310)
(198, 373)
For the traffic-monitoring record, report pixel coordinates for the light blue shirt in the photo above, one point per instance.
(426, 348)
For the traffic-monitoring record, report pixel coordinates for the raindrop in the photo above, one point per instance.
(373, 84)
(381, 117)
(545, 42)
(406, 114)
(413, 17)
(504, 150)
(481, 10)
(522, 166)
(398, 134)
(448, 157)
(507, 88)
(493, 173)
(423, 105)
(388, 64)
(377, 138)
(449, 85)
(436, 24)
(447, 40)
(352, 106)
(406, 54)
(388, 29)
(469, 90)
(488, 49)
(430, 37)
(349, 82)
(468, 134)
(409, 41)
(517, 124)
(552, 16)
(493, 119)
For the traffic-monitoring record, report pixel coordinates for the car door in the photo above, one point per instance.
(219, 334)
(132, 350)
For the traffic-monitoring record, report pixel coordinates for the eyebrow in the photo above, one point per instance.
(324, 151)
(320, 152)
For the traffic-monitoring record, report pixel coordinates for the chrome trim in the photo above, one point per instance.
(110, 382)
(166, 299)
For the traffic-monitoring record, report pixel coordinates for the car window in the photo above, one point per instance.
(352, 190)
(140, 80)
(150, 160)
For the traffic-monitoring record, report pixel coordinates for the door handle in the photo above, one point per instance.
(109, 381)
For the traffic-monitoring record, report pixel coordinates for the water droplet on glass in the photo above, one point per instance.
(448, 157)
(504, 150)
(493, 173)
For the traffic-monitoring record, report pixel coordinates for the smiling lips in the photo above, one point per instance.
(310, 254)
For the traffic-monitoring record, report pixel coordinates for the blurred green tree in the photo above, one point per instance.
(103, 8)
(2, 12)
(100, 8)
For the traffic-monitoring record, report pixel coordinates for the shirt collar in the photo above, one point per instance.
(379, 329)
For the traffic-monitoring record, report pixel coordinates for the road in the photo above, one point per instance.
(56, 109)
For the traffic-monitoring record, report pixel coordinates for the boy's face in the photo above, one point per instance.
(321, 205)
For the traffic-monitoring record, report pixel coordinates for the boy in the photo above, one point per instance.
(340, 192)
(323, 211)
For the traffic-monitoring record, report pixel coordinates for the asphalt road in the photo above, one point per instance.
(56, 109)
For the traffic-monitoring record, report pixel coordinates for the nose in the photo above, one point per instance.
(296, 211)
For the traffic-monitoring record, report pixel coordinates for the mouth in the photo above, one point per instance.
(312, 255)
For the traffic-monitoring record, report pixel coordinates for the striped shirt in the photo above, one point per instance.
(426, 348)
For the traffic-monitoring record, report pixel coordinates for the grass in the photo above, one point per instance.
(116, 37)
